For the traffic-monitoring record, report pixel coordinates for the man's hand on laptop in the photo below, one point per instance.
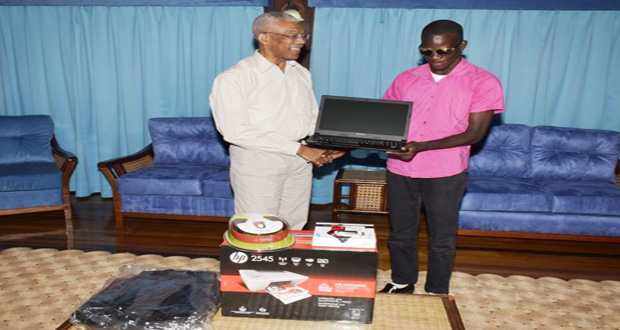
(313, 155)
(408, 151)
(331, 154)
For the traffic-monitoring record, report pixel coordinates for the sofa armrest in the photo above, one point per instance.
(65, 160)
(60, 152)
(117, 167)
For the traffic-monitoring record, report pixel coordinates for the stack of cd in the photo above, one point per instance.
(258, 232)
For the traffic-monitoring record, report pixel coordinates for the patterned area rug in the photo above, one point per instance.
(40, 288)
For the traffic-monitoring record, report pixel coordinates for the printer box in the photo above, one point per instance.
(344, 235)
(303, 282)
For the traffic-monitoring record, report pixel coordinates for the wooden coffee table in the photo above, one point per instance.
(392, 311)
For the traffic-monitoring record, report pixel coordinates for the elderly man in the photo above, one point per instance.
(454, 103)
(263, 106)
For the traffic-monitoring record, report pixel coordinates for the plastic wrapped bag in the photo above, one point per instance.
(142, 298)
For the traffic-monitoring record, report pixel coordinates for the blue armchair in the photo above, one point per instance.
(34, 170)
(183, 174)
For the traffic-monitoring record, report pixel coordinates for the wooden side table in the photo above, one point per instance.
(367, 192)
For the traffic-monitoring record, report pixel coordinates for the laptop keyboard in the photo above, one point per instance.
(358, 142)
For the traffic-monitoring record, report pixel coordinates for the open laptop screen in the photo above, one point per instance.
(369, 118)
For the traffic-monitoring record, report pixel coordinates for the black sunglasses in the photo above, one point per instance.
(440, 51)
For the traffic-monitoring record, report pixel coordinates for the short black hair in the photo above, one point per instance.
(442, 27)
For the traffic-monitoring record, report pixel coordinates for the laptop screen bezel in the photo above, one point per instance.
(402, 138)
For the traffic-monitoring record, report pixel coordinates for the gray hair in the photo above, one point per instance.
(266, 19)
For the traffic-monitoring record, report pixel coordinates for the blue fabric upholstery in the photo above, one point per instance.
(190, 175)
(30, 198)
(574, 154)
(29, 176)
(583, 197)
(542, 223)
(216, 183)
(208, 181)
(551, 180)
(161, 180)
(504, 152)
(26, 139)
(187, 141)
(505, 194)
(178, 205)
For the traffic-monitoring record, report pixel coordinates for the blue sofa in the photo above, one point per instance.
(183, 174)
(34, 170)
(543, 182)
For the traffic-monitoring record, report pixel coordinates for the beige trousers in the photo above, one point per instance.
(271, 183)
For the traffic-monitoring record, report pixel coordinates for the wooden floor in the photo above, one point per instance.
(93, 229)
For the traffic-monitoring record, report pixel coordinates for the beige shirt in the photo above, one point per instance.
(258, 107)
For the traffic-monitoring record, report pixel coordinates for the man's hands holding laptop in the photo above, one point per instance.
(320, 157)
(407, 151)
(317, 156)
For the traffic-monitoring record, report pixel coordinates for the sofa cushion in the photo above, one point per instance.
(505, 152)
(562, 153)
(211, 181)
(537, 222)
(26, 139)
(504, 194)
(216, 183)
(161, 180)
(10, 200)
(29, 176)
(179, 205)
(187, 141)
(583, 197)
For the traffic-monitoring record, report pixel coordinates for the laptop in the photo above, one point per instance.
(361, 123)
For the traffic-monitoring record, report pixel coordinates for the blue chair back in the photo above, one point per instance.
(504, 152)
(26, 139)
(563, 153)
(187, 141)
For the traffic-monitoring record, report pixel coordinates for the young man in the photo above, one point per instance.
(263, 106)
(454, 105)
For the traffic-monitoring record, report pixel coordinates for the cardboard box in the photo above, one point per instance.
(330, 234)
(302, 282)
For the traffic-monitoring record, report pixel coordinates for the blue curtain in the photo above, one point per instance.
(267, 3)
(460, 4)
(557, 67)
(101, 72)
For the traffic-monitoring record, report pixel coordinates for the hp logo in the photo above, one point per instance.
(238, 257)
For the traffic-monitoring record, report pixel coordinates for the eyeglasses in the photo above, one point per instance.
(440, 51)
(293, 37)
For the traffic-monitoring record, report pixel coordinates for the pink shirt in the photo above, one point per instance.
(440, 110)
